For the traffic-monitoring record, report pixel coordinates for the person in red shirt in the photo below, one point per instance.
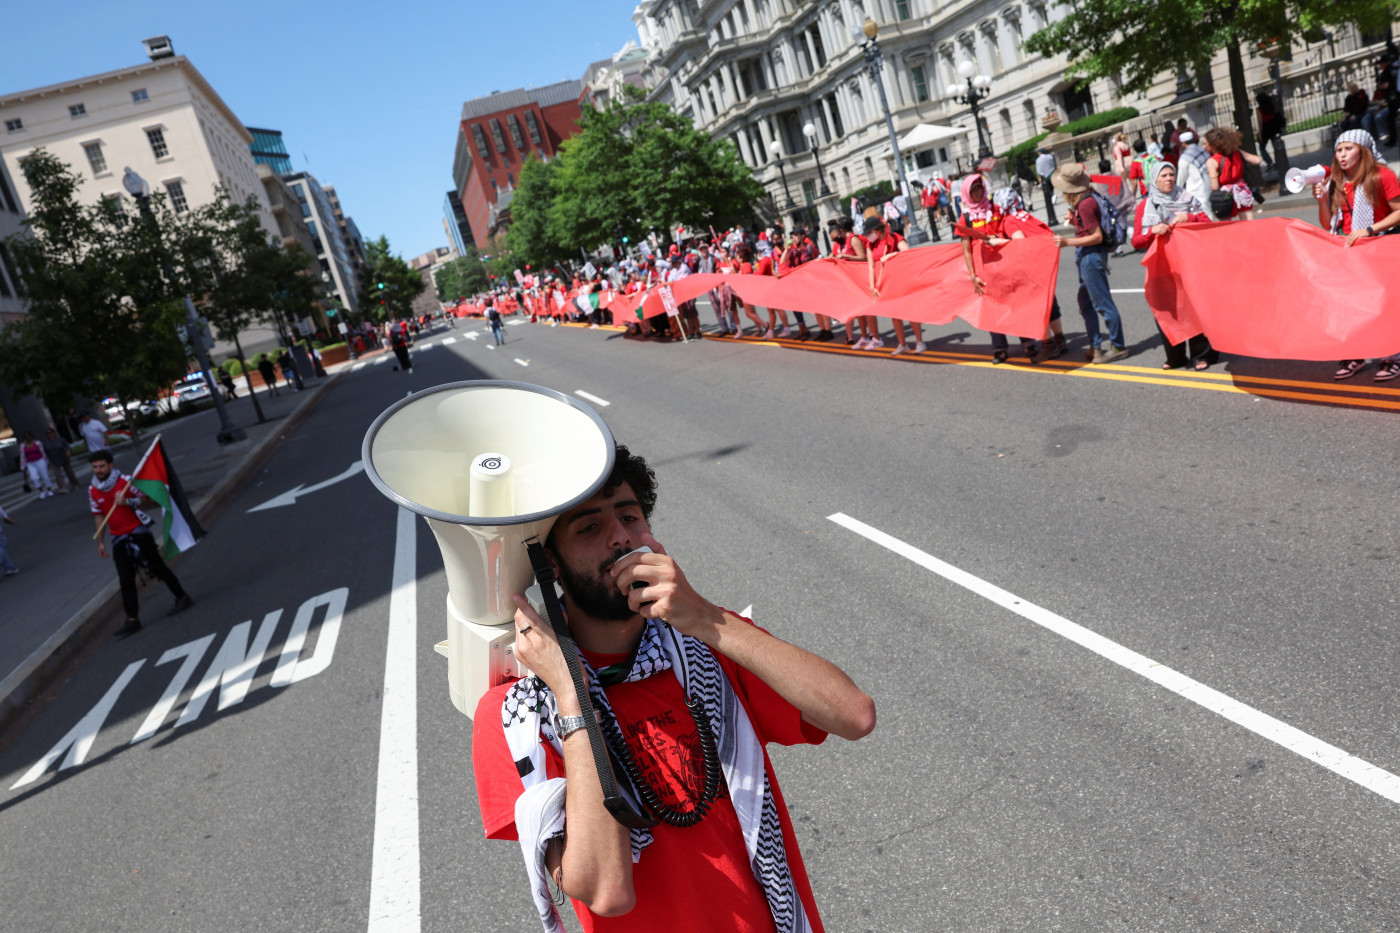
(132, 544)
(1226, 172)
(1359, 200)
(1165, 206)
(882, 245)
(984, 219)
(644, 632)
(745, 266)
(767, 266)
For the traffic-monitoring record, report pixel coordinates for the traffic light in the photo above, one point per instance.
(624, 241)
(381, 286)
(330, 312)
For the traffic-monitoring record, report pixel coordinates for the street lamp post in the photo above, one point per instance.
(776, 148)
(865, 36)
(137, 187)
(809, 130)
(972, 93)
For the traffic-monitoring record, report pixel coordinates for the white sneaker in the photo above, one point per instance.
(767, 334)
(784, 332)
(861, 344)
(919, 347)
(877, 343)
(902, 348)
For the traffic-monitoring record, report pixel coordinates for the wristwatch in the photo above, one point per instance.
(565, 726)
(1370, 231)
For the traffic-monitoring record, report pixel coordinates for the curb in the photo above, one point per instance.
(30, 677)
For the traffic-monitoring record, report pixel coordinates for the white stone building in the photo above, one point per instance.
(160, 118)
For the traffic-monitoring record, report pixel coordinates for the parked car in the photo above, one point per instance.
(191, 388)
(116, 415)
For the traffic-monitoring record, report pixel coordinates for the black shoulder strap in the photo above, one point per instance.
(620, 809)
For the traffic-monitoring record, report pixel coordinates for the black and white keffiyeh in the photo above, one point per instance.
(1162, 206)
(527, 717)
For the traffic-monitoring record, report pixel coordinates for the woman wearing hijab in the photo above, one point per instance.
(984, 222)
(1166, 205)
(1360, 199)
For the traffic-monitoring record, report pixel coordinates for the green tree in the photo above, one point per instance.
(102, 317)
(531, 238)
(401, 283)
(463, 276)
(1137, 42)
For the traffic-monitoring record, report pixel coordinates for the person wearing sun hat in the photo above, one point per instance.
(1091, 261)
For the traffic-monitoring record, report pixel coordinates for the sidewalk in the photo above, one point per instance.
(63, 592)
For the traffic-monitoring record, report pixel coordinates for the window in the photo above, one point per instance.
(4, 286)
(480, 138)
(8, 263)
(113, 204)
(7, 194)
(311, 228)
(296, 190)
(156, 135)
(901, 9)
(305, 209)
(533, 127)
(809, 192)
(515, 136)
(498, 135)
(77, 110)
(920, 83)
(138, 95)
(95, 157)
(12, 126)
(176, 190)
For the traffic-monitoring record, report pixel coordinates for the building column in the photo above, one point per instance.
(733, 70)
(811, 51)
(765, 62)
(728, 80)
(830, 123)
(765, 133)
(744, 149)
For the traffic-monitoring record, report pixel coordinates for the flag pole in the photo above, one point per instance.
(142, 462)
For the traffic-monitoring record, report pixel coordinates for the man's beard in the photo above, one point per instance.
(597, 596)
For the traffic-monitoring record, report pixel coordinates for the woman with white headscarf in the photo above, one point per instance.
(1166, 205)
(1360, 199)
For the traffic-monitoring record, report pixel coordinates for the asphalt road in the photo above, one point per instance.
(1017, 780)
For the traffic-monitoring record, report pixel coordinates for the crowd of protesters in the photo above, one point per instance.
(1141, 193)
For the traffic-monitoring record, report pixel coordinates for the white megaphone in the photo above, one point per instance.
(489, 465)
(1297, 180)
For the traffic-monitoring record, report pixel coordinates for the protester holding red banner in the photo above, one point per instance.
(882, 245)
(765, 266)
(1010, 221)
(1360, 199)
(1166, 205)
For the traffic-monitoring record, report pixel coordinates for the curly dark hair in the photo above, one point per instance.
(633, 470)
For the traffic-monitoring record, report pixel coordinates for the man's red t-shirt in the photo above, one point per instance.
(1390, 190)
(695, 880)
(1025, 223)
(123, 520)
(765, 266)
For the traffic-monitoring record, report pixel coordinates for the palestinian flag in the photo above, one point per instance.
(156, 478)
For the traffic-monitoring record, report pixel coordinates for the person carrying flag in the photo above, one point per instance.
(114, 498)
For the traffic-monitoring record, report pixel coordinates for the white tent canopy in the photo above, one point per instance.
(928, 134)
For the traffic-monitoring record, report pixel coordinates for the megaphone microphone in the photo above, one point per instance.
(1297, 180)
(490, 465)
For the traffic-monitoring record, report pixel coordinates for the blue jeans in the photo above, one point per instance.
(1377, 124)
(6, 565)
(1094, 296)
(498, 332)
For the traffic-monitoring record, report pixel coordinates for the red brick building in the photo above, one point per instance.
(497, 134)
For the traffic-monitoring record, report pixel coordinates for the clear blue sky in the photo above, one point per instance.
(367, 95)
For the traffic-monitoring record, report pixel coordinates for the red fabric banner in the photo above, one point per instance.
(929, 285)
(1317, 299)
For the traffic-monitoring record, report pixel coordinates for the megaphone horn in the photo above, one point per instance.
(1296, 180)
(489, 464)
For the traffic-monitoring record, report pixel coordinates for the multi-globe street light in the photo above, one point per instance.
(972, 92)
(138, 188)
(865, 38)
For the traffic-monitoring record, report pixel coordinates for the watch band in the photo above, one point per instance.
(565, 726)
(1370, 231)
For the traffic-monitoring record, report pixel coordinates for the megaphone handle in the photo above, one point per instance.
(620, 809)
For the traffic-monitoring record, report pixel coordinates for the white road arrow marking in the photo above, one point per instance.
(290, 496)
(471, 336)
(522, 362)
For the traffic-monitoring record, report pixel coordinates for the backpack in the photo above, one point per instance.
(1111, 222)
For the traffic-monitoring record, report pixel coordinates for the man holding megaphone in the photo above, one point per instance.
(687, 695)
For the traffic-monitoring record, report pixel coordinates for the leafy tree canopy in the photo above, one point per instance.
(401, 282)
(462, 277)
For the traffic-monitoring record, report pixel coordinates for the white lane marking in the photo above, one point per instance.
(514, 323)
(290, 496)
(472, 336)
(1127, 291)
(382, 359)
(490, 346)
(394, 888)
(591, 398)
(359, 366)
(748, 611)
(78, 742)
(449, 341)
(522, 362)
(1294, 740)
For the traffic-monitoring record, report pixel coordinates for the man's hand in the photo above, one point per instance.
(119, 500)
(1060, 241)
(102, 549)
(667, 595)
(537, 647)
(9, 520)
